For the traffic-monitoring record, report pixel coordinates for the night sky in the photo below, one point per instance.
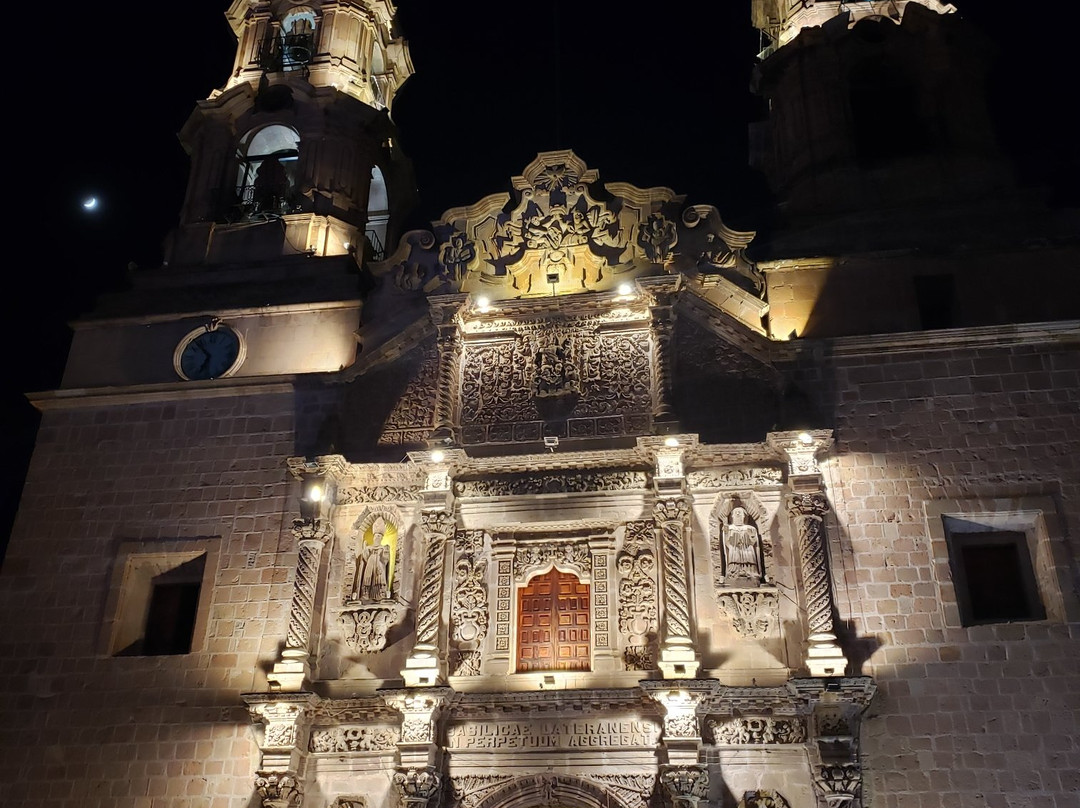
(652, 94)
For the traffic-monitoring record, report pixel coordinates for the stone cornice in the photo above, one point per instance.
(572, 702)
(1065, 332)
(88, 397)
(90, 321)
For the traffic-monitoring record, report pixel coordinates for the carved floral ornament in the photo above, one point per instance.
(557, 237)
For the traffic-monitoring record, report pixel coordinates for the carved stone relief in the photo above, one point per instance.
(365, 627)
(412, 418)
(758, 731)
(734, 478)
(638, 604)
(349, 802)
(372, 580)
(554, 483)
(754, 613)
(763, 798)
(633, 790)
(469, 607)
(354, 739)
(469, 790)
(531, 558)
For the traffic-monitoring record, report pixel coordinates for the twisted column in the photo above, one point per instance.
(291, 669)
(677, 657)
(807, 511)
(446, 392)
(663, 321)
(422, 666)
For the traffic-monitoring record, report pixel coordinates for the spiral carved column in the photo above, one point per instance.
(313, 536)
(663, 324)
(450, 349)
(423, 667)
(807, 511)
(677, 657)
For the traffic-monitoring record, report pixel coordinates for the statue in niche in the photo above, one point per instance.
(742, 549)
(373, 567)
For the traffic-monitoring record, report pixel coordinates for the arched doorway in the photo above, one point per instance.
(553, 623)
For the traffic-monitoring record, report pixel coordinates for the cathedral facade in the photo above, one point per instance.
(579, 497)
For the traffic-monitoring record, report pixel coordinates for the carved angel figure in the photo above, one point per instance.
(742, 555)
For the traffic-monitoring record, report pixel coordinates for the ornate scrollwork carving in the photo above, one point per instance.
(754, 613)
(758, 731)
(469, 607)
(763, 798)
(470, 790)
(532, 557)
(354, 739)
(366, 627)
(278, 790)
(734, 478)
(638, 603)
(685, 784)
(416, 786)
(840, 784)
(554, 483)
(633, 790)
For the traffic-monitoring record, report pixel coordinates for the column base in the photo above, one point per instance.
(422, 670)
(824, 657)
(679, 662)
(289, 673)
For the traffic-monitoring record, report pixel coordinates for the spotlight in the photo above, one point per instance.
(438, 456)
(626, 289)
(669, 442)
(805, 438)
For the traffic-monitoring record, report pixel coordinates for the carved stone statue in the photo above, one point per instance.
(742, 554)
(373, 567)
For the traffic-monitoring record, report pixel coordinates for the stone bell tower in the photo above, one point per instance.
(872, 107)
(296, 154)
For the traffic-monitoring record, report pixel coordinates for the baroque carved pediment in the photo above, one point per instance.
(561, 233)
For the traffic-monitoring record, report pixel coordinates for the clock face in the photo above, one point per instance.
(208, 354)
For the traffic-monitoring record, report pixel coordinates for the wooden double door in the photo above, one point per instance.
(553, 623)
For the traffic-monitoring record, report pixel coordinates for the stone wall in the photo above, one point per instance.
(979, 716)
(81, 727)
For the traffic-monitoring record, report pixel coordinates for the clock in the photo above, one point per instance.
(209, 352)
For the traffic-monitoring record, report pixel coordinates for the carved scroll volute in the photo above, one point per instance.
(444, 311)
(686, 786)
(416, 787)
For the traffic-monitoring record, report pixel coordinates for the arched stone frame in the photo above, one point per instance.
(570, 556)
(549, 789)
(762, 510)
(359, 528)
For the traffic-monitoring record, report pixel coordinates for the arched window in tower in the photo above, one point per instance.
(297, 38)
(553, 623)
(266, 182)
(378, 214)
(380, 78)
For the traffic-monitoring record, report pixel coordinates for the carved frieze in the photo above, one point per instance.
(413, 412)
(354, 739)
(753, 613)
(553, 483)
(764, 730)
(735, 478)
(357, 495)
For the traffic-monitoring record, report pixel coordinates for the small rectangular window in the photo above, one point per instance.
(993, 576)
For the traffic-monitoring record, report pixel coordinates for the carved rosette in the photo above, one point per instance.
(638, 608)
(437, 526)
(808, 512)
(312, 536)
(763, 798)
(671, 515)
(416, 787)
(278, 790)
(738, 731)
(840, 784)
(753, 613)
(686, 786)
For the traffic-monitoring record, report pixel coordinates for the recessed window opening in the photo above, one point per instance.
(160, 607)
(266, 180)
(992, 574)
(378, 216)
(297, 39)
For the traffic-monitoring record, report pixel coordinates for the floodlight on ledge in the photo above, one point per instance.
(438, 456)
(626, 289)
(483, 303)
(806, 438)
(671, 442)
(315, 493)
